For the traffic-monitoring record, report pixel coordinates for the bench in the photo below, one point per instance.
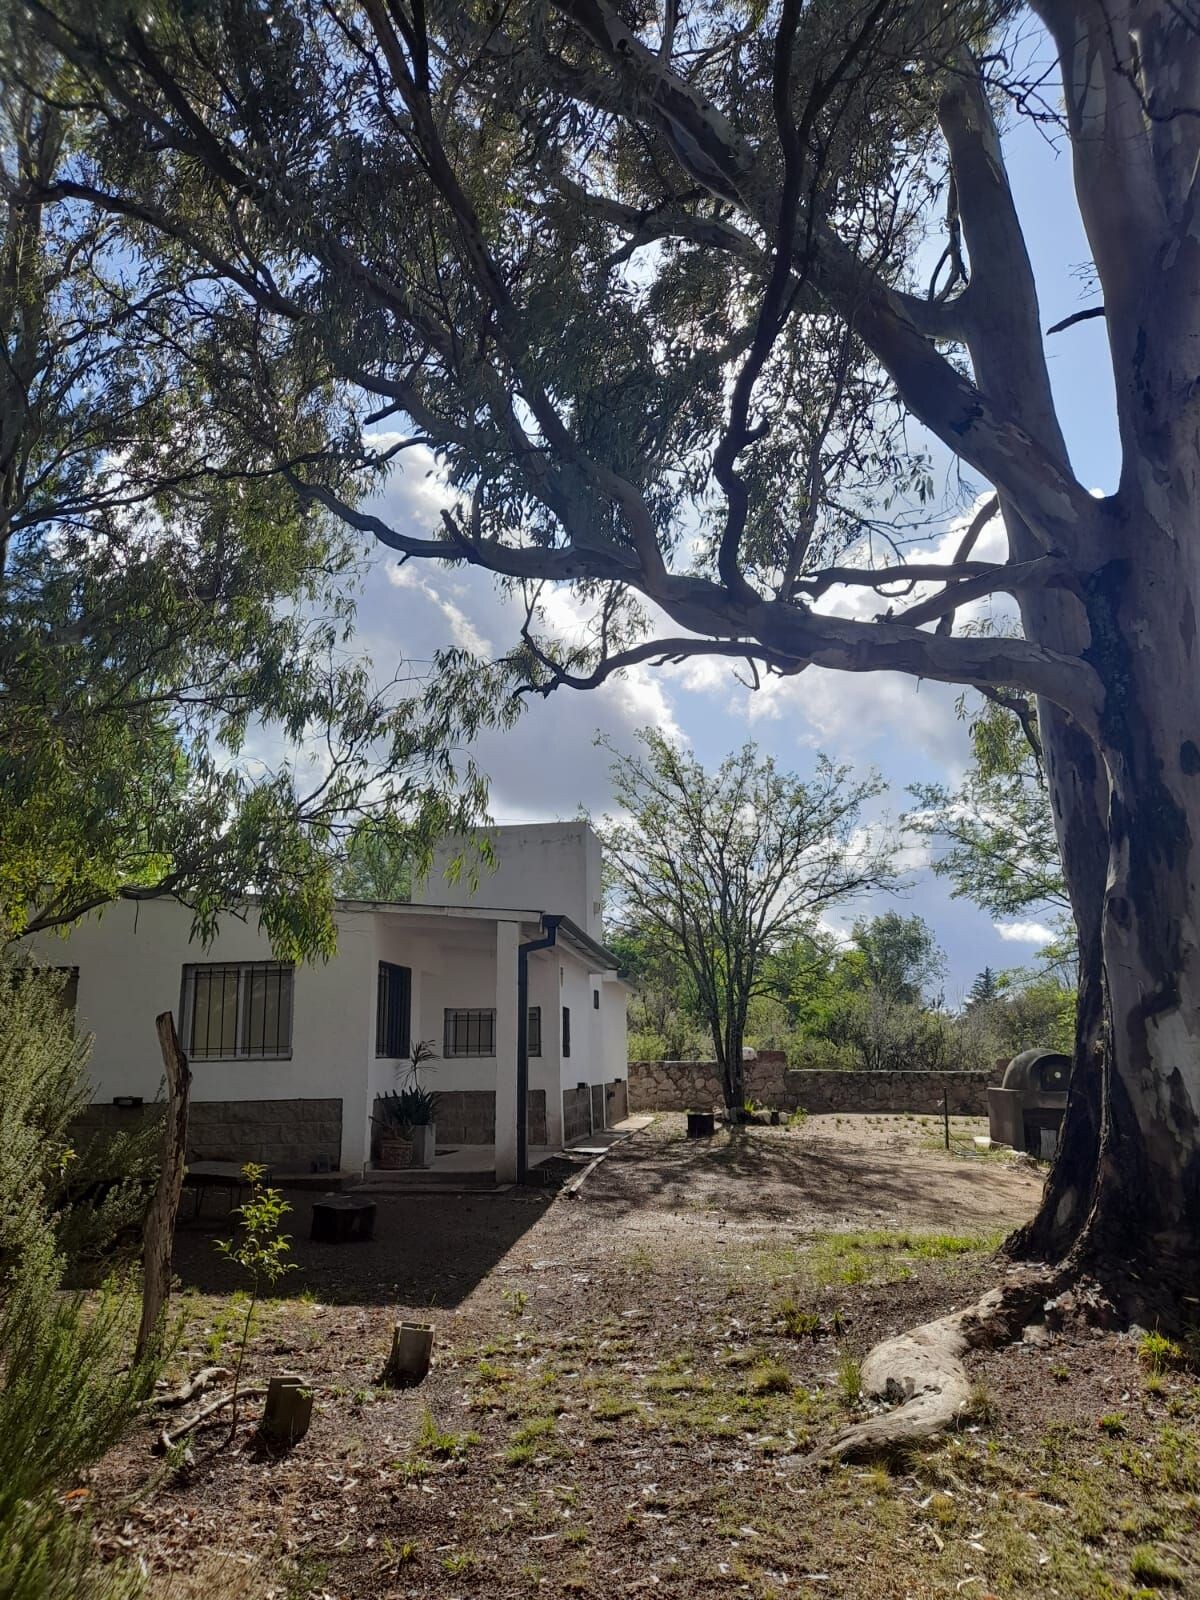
(228, 1175)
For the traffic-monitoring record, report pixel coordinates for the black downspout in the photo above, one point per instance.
(523, 953)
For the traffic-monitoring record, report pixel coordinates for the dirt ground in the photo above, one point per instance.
(629, 1385)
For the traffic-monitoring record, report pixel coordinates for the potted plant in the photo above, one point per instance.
(394, 1142)
(421, 1110)
(416, 1106)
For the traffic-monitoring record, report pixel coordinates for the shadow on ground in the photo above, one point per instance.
(428, 1249)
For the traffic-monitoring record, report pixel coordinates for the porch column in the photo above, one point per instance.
(508, 935)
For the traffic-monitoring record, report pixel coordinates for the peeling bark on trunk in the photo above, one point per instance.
(1144, 1225)
(1078, 787)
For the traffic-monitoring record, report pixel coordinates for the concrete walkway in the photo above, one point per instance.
(473, 1165)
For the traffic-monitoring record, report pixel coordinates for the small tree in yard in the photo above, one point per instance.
(261, 1251)
(729, 867)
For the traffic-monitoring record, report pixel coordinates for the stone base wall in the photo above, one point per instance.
(468, 1116)
(286, 1135)
(684, 1085)
(577, 1113)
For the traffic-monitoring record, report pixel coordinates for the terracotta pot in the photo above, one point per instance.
(395, 1152)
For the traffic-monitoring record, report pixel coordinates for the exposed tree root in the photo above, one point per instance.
(190, 1388)
(922, 1374)
(169, 1437)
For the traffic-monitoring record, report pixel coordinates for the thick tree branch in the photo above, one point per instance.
(1055, 505)
(1042, 572)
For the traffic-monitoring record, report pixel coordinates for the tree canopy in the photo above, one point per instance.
(993, 836)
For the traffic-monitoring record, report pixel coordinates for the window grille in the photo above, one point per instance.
(473, 1032)
(237, 1010)
(393, 1011)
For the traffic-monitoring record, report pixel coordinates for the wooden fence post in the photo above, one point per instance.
(159, 1231)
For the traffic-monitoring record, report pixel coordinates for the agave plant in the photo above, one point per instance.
(399, 1110)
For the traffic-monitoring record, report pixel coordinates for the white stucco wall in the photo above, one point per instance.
(614, 1029)
(545, 1070)
(546, 866)
(131, 962)
(576, 991)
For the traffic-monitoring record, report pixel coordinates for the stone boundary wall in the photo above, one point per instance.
(680, 1085)
(289, 1135)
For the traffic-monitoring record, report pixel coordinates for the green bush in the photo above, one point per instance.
(67, 1386)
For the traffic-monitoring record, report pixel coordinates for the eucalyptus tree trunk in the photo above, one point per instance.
(1079, 788)
(1147, 1202)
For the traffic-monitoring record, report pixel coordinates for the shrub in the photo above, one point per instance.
(68, 1389)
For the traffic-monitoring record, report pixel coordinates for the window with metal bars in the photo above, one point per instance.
(393, 1011)
(473, 1033)
(237, 1010)
(566, 1050)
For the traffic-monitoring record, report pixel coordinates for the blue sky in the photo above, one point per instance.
(548, 766)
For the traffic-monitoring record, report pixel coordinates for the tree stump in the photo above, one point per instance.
(701, 1124)
(412, 1350)
(288, 1410)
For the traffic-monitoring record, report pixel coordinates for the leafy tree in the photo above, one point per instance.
(664, 1020)
(901, 958)
(666, 278)
(177, 710)
(870, 998)
(728, 867)
(994, 836)
(377, 864)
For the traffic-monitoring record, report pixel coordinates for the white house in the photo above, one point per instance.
(287, 1061)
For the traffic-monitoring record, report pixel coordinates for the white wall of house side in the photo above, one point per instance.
(575, 991)
(131, 962)
(614, 1029)
(545, 1069)
(425, 957)
(508, 936)
(545, 866)
(464, 979)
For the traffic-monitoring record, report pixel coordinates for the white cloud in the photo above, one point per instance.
(1024, 932)
(417, 491)
(462, 630)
